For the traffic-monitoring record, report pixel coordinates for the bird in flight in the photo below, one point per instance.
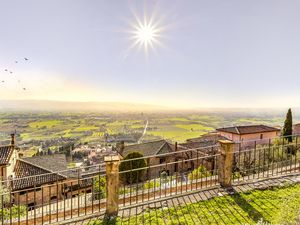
(16, 61)
(10, 72)
(5, 70)
(26, 59)
(24, 89)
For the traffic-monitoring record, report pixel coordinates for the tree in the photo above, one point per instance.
(288, 126)
(133, 168)
(99, 187)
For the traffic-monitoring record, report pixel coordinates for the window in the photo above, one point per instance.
(176, 168)
(261, 136)
(162, 160)
(31, 206)
(23, 192)
(53, 198)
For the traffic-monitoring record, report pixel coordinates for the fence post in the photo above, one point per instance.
(226, 162)
(112, 186)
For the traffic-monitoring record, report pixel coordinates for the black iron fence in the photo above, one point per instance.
(81, 192)
(276, 157)
(25, 201)
(169, 174)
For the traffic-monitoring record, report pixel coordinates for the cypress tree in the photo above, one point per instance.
(288, 126)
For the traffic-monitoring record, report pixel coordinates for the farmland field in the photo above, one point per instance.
(34, 129)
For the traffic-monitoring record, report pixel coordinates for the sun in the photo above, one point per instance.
(146, 33)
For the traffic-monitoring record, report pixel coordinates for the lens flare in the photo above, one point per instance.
(146, 33)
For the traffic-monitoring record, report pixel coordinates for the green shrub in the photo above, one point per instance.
(129, 176)
(5, 193)
(198, 173)
(100, 222)
(16, 211)
(151, 184)
(123, 191)
(236, 175)
(164, 177)
(99, 187)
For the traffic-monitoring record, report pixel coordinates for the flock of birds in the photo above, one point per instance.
(11, 72)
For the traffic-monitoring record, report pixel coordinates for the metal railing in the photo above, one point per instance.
(274, 157)
(171, 177)
(26, 202)
(83, 192)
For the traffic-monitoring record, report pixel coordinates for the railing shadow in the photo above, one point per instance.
(253, 213)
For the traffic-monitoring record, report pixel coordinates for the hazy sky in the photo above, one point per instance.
(214, 53)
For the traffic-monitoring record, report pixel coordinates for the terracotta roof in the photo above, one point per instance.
(5, 153)
(41, 166)
(23, 169)
(251, 129)
(52, 163)
(206, 144)
(207, 138)
(149, 148)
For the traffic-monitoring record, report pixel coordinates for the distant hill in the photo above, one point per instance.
(46, 105)
(121, 107)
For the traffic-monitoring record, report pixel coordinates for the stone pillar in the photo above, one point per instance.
(112, 186)
(225, 162)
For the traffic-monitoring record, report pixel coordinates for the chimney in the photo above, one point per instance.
(13, 140)
(120, 147)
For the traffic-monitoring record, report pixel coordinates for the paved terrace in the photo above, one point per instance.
(88, 206)
(249, 214)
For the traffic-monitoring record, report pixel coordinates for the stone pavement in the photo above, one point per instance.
(205, 194)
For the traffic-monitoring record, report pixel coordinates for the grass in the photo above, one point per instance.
(176, 135)
(274, 206)
(179, 131)
(47, 123)
(175, 119)
(266, 121)
(85, 128)
(194, 127)
(29, 153)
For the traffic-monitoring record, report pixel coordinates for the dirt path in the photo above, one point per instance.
(144, 132)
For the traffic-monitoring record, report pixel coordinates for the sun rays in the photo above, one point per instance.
(146, 32)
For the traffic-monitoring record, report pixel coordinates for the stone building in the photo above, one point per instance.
(40, 180)
(296, 129)
(202, 150)
(171, 158)
(8, 158)
(247, 136)
(35, 179)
